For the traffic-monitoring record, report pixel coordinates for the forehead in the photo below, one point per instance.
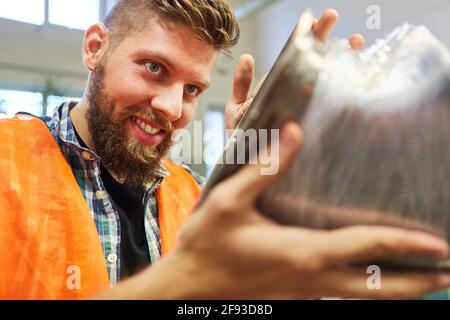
(175, 42)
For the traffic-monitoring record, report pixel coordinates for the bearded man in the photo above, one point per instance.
(91, 201)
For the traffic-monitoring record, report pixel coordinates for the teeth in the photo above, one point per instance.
(146, 127)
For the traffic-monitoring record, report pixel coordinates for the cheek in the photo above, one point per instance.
(126, 89)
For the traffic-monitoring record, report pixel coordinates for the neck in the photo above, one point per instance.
(79, 120)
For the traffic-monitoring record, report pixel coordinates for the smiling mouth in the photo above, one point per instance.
(145, 126)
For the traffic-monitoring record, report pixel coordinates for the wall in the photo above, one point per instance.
(30, 54)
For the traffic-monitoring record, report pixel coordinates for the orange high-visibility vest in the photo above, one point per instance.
(49, 245)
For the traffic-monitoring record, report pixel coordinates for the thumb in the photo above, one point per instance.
(243, 78)
(250, 181)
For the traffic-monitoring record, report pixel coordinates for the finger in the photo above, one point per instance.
(249, 182)
(324, 26)
(361, 244)
(356, 41)
(389, 285)
(243, 78)
(238, 113)
(241, 109)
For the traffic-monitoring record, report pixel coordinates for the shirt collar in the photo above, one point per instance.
(65, 131)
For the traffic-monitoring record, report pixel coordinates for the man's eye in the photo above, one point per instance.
(153, 67)
(192, 90)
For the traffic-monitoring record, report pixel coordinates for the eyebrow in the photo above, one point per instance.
(167, 61)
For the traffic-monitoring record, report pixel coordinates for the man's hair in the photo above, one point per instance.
(212, 21)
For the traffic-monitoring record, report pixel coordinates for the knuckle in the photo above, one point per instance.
(362, 230)
(307, 263)
(383, 241)
(315, 264)
(383, 246)
(396, 242)
(357, 232)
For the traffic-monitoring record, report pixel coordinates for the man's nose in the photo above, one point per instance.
(169, 102)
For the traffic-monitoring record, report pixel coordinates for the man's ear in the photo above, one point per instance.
(95, 45)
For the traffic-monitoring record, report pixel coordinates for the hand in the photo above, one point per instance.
(323, 27)
(240, 100)
(229, 250)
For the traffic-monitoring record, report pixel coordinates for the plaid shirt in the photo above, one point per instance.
(85, 165)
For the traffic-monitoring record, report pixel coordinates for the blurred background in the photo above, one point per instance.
(40, 45)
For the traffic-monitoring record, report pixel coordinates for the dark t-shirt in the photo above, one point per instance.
(129, 202)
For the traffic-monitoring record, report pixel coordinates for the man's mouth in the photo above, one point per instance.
(146, 127)
(147, 131)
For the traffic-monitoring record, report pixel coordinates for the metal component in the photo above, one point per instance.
(376, 127)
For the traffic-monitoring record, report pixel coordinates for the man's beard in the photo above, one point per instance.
(130, 161)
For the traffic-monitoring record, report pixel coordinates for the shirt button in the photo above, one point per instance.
(100, 194)
(86, 155)
(112, 258)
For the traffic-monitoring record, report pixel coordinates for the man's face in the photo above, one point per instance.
(148, 87)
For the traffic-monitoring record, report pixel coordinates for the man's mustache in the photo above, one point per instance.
(143, 112)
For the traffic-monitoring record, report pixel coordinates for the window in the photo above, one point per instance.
(30, 11)
(78, 14)
(214, 137)
(12, 102)
(55, 101)
(75, 14)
